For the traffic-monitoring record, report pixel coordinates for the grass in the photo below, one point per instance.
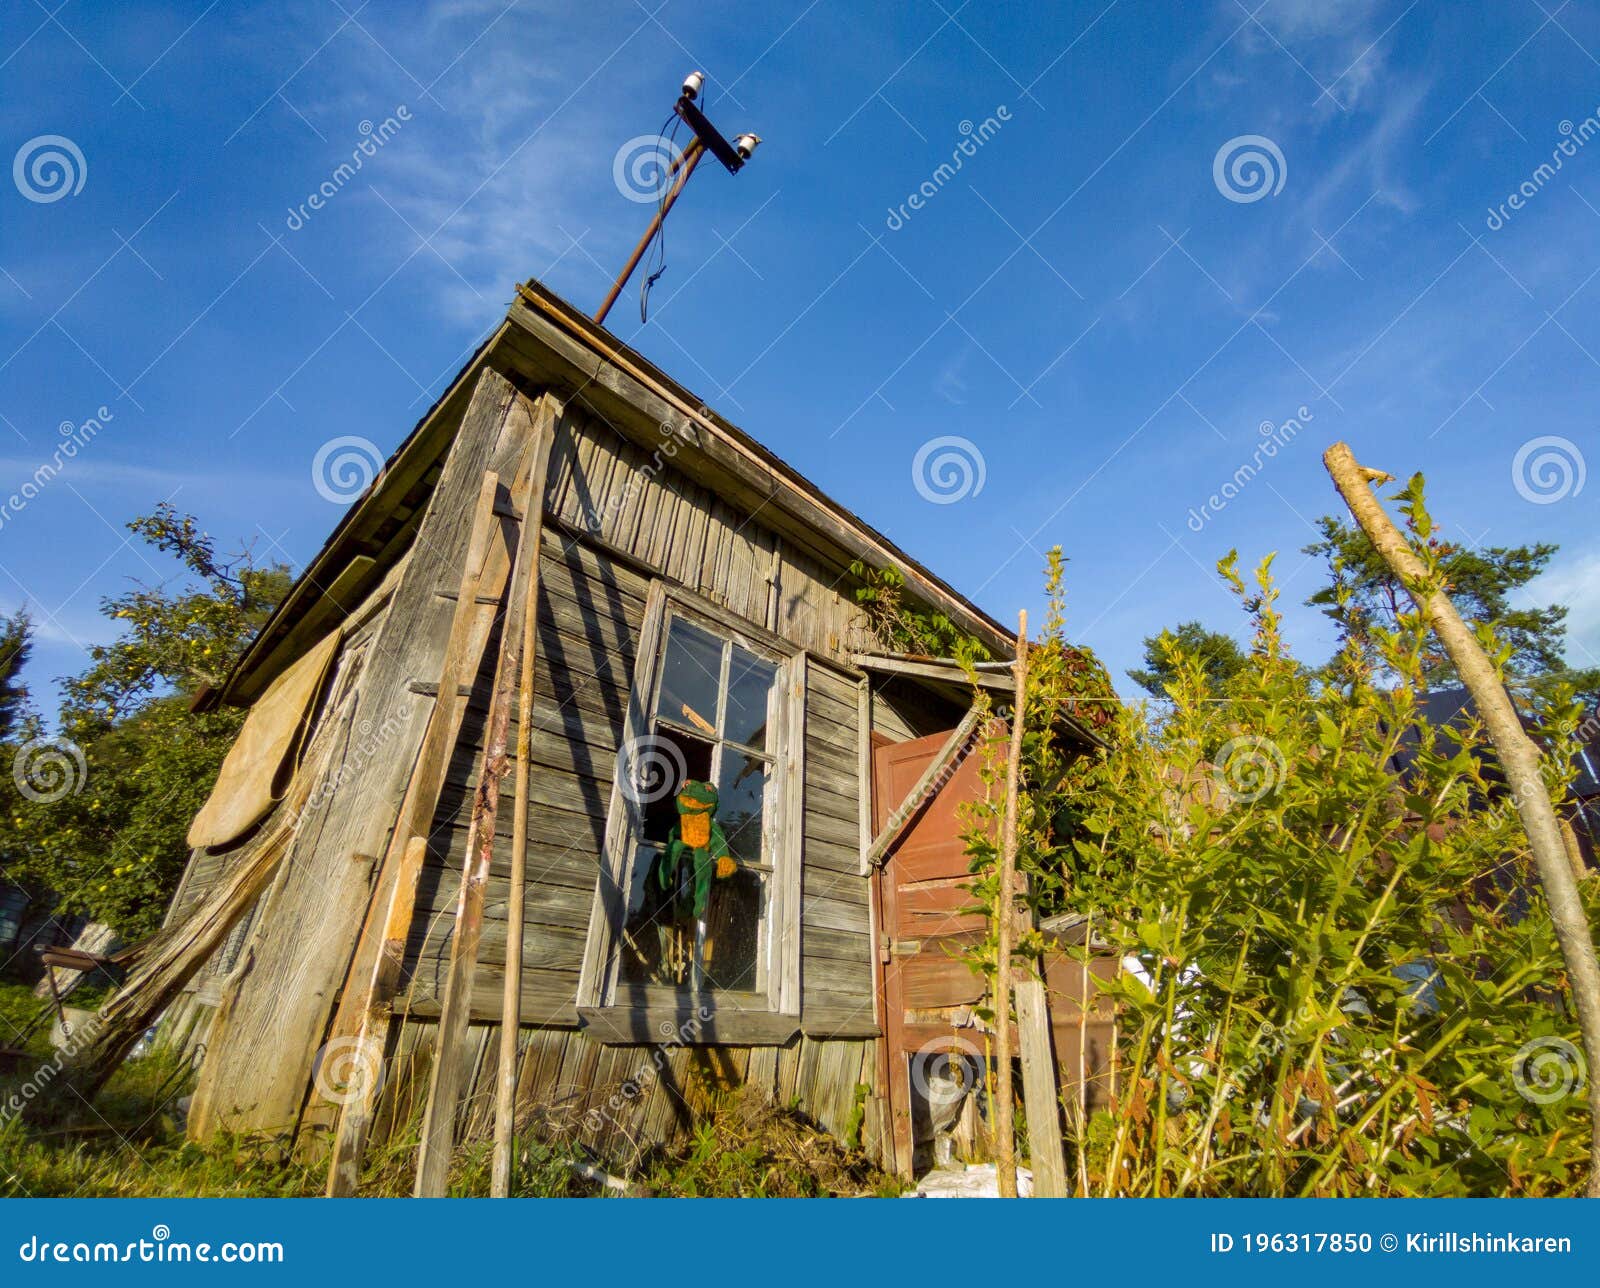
(748, 1148)
(130, 1143)
(18, 1009)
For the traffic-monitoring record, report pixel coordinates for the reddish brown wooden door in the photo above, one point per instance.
(926, 989)
(924, 981)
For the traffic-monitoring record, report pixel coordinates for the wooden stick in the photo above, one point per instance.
(864, 773)
(1006, 1163)
(922, 791)
(455, 1003)
(1040, 1092)
(505, 1105)
(364, 1011)
(1518, 756)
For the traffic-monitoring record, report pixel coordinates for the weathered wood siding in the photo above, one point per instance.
(590, 612)
(627, 515)
(620, 516)
(187, 1022)
(300, 954)
(623, 1101)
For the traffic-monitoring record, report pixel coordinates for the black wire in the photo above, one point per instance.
(658, 247)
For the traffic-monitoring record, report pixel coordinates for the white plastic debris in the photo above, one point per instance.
(974, 1181)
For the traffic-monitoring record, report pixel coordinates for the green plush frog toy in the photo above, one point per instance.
(696, 853)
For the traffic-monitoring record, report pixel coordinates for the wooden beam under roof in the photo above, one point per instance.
(944, 670)
(948, 676)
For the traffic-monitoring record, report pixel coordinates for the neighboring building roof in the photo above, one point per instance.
(1453, 708)
(552, 344)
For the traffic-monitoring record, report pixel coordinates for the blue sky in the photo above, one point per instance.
(1098, 301)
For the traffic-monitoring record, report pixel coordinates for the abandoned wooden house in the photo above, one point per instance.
(576, 574)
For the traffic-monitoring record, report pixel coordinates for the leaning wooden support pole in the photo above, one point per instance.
(455, 1003)
(1005, 921)
(505, 1101)
(1040, 1091)
(361, 1024)
(1519, 759)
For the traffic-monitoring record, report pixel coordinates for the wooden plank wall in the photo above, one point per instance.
(624, 1101)
(187, 1022)
(590, 613)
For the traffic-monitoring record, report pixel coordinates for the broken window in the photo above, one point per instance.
(699, 887)
(698, 911)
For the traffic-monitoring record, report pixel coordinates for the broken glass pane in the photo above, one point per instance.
(741, 794)
(749, 693)
(691, 674)
(733, 931)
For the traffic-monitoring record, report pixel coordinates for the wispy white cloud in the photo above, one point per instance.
(508, 153)
(1574, 580)
(1370, 163)
(1338, 43)
(126, 478)
(951, 384)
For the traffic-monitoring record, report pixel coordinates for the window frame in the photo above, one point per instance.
(771, 1014)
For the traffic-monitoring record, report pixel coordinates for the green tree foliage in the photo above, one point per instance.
(1048, 816)
(16, 642)
(1219, 655)
(1363, 595)
(111, 796)
(1346, 980)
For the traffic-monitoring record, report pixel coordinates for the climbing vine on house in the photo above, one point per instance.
(1082, 686)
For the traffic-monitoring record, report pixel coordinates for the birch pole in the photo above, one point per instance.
(1005, 1133)
(1518, 756)
(505, 1103)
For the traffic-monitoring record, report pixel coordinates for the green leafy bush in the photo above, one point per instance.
(1340, 978)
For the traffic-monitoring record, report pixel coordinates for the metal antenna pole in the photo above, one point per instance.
(690, 159)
